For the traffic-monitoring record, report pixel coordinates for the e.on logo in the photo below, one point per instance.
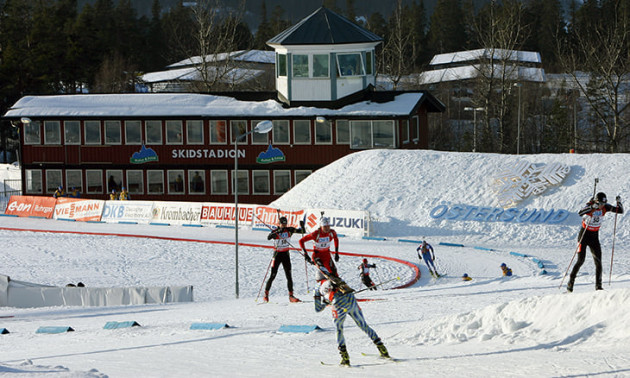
(18, 207)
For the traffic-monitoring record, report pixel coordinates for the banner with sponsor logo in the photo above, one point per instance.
(31, 206)
(223, 213)
(268, 216)
(79, 209)
(127, 211)
(176, 212)
(347, 222)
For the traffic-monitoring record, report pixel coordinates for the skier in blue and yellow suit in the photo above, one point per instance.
(342, 305)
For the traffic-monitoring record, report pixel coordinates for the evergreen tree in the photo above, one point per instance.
(447, 32)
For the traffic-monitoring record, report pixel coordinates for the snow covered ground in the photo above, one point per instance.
(523, 325)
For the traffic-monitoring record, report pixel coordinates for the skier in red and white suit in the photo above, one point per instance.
(322, 238)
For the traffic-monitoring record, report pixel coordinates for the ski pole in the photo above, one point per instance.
(383, 283)
(613, 250)
(265, 278)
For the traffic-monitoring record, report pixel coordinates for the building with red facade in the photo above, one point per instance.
(182, 146)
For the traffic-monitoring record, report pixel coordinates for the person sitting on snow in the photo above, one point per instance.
(465, 277)
(506, 271)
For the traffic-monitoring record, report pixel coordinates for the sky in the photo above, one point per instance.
(524, 325)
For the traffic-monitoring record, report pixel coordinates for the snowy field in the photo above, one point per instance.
(525, 325)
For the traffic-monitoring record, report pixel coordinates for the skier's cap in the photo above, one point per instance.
(503, 265)
(324, 222)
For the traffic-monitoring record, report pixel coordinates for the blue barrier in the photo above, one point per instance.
(159, 224)
(224, 226)
(116, 325)
(410, 241)
(54, 329)
(209, 326)
(3, 331)
(451, 244)
(191, 225)
(93, 221)
(518, 254)
(372, 238)
(299, 328)
(66, 219)
(8, 215)
(260, 229)
(127, 222)
(484, 248)
(37, 216)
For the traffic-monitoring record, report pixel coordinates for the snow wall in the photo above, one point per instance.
(25, 294)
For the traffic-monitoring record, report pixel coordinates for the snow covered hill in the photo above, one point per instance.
(523, 325)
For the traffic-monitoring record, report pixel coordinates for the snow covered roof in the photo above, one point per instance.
(195, 105)
(324, 27)
(475, 55)
(533, 74)
(250, 56)
(233, 75)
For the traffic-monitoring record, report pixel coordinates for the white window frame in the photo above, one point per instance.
(55, 124)
(87, 181)
(115, 125)
(276, 126)
(195, 123)
(133, 123)
(227, 131)
(152, 122)
(80, 179)
(29, 184)
(174, 173)
(191, 174)
(337, 133)
(66, 125)
(36, 126)
(310, 139)
(128, 186)
(149, 182)
(178, 124)
(85, 133)
(260, 172)
(275, 180)
(244, 174)
(299, 171)
(322, 124)
(49, 173)
(224, 172)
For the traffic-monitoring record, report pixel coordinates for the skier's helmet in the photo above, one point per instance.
(283, 220)
(365, 261)
(601, 197)
(465, 275)
(60, 188)
(503, 265)
(325, 221)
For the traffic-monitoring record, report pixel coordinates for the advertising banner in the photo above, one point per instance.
(31, 206)
(268, 217)
(346, 222)
(128, 211)
(222, 213)
(79, 209)
(176, 212)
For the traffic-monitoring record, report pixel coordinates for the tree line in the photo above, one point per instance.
(50, 47)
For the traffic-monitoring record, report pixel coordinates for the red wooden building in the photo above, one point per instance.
(181, 146)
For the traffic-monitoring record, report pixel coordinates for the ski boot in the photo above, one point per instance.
(381, 349)
(345, 358)
(599, 287)
(293, 299)
(570, 287)
(266, 297)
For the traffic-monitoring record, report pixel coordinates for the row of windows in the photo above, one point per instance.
(317, 65)
(178, 181)
(358, 134)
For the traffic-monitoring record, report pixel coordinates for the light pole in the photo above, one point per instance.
(262, 127)
(575, 126)
(518, 127)
(474, 110)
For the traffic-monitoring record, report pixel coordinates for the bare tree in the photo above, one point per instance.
(399, 54)
(500, 32)
(603, 52)
(214, 34)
